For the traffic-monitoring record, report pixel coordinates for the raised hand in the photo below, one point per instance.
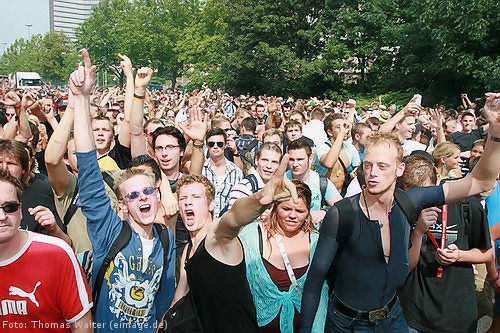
(143, 77)
(29, 97)
(82, 80)
(279, 188)
(197, 124)
(436, 119)
(272, 106)
(492, 113)
(11, 99)
(413, 107)
(126, 65)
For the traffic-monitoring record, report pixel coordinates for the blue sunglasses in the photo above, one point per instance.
(135, 194)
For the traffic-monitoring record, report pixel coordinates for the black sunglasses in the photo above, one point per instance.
(10, 207)
(220, 144)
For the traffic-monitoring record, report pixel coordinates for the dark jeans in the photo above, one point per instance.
(337, 322)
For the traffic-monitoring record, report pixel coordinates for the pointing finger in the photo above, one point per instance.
(86, 59)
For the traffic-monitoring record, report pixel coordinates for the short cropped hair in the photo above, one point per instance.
(359, 128)
(327, 123)
(193, 179)
(271, 147)
(271, 132)
(249, 123)
(291, 124)
(126, 175)
(300, 143)
(149, 161)
(317, 113)
(216, 131)
(388, 139)
(418, 169)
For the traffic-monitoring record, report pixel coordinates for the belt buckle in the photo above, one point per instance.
(378, 314)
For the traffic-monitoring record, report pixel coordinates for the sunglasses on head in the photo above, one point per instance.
(135, 194)
(10, 207)
(220, 144)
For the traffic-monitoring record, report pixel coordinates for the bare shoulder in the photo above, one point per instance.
(222, 247)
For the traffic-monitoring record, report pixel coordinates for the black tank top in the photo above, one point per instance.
(221, 294)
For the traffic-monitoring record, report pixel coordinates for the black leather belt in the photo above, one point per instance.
(374, 315)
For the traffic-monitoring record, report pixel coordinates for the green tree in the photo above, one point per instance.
(57, 56)
(22, 56)
(446, 48)
(203, 45)
(275, 47)
(112, 28)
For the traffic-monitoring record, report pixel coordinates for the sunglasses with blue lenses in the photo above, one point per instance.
(10, 207)
(135, 194)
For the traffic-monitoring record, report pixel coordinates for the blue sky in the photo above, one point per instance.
(15, 14)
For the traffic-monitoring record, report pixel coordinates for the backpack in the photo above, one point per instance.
(120, 242)
(346, 224)
(247, 155)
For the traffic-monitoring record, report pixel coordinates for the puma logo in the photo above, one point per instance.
(15, 291)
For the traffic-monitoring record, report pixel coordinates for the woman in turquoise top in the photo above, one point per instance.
(278, 251)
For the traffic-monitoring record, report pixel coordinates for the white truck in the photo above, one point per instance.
(28, 80)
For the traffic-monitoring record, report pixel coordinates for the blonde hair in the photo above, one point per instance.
(389, 139)
(444, 149)
(128, 174)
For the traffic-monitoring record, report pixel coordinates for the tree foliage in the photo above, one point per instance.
(288, 47)
(52, 55)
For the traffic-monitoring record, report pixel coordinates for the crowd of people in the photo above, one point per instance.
(266, 214)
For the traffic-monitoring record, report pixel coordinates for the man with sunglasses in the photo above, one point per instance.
(223, 173)
(138, 285)
(42, 288)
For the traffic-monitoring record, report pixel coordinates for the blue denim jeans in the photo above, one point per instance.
(337, 322)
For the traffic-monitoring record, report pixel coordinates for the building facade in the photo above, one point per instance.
(66, 15)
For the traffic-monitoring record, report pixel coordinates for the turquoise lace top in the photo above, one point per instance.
(269, 301)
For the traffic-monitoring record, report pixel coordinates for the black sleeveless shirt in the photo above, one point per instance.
(221, 294)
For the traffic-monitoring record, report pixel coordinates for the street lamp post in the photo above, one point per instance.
(29, 30)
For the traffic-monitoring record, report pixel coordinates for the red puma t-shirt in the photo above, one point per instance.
(42, 287)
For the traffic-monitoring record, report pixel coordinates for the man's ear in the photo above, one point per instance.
(400, 170)
(211, 206)
(123, 206)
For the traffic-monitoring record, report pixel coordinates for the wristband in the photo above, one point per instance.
(139, 96)
(139, 100)
(494, 279)
(495, 139)
(17, 106)
(198, 145)
(236, 154)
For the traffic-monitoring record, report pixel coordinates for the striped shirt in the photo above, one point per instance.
(223, 185)
(244, 189)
